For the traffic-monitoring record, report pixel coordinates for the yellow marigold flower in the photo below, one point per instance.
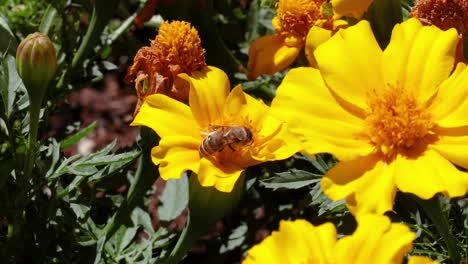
(176, 49)
(375, 240)
(421, 260)
(395, 119)
(294, 19)
(350, 8)
(201, 138)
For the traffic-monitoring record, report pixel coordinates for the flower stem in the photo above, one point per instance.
(206, 206)
(434, 210)
(34, 111)
(15, 227)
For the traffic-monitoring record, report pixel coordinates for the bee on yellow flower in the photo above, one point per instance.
(176, 49)
(396, 119)
(293, 24)
(218, 135)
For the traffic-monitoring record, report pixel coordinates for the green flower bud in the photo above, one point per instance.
(36, 63)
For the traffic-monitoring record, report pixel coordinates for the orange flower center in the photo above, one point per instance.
(178, 44)
(396, 121)
(295, 18)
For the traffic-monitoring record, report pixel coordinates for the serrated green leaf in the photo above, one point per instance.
(235, 239)
(174, 199)
(78, 136)
(108, 159)
(292, 179)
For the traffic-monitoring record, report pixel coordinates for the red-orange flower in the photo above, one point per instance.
(176, 49)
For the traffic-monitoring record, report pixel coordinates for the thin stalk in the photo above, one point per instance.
(34, 111)
(15, 227)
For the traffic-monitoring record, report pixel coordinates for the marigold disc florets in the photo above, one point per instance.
(397, 121)
(444, 14)
(296, 17)
(178, 43)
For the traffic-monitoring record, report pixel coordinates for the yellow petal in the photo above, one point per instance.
(352, 8)
(159, 112)
(242, 108)
(409, 60)
(366, 183)
(452, 144)
(175, 155)
(276, 142)
(421, 260)
(429, 174)
(317, 117)
(269, 54)
(315, 38)
(211, 174)
(209, 89)
(272, 141)
(375, 238)
(450, 106)
(379, 194)
(351, 63)
(295, 242)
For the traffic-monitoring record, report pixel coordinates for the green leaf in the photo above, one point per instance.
(141, 218)
(125, 237)
(406, 8)
(8, 41)
(3, 127)
(79, 209)
(206, 205)
(48, 19)
(292, 179)
(99, 249)
(10, 82)
(326, 206)
(108, 159)
(235, 239)
(383, 15)
(174, 198)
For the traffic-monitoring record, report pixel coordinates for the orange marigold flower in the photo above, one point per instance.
(293, 24)
(444, 14)
(295, 18)
(176, 49)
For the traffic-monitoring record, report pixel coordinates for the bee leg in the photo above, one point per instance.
(230, 146)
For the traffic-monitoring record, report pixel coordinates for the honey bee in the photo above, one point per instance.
(223, 136)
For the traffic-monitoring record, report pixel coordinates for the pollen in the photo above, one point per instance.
(444, 14)
(178, 43)
(295, 18)
(397, 121)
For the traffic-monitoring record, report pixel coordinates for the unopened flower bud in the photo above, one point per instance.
(36, 63)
